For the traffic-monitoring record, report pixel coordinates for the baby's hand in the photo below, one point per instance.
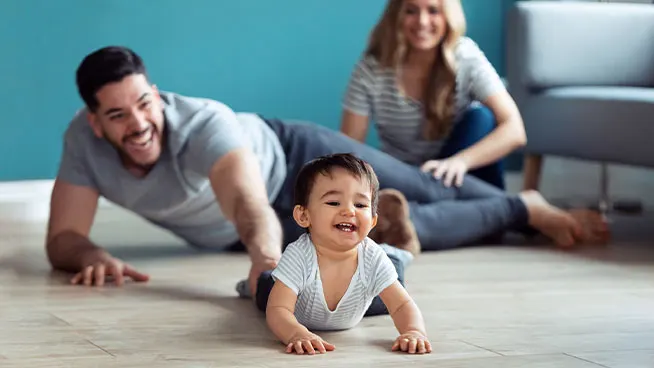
(306, 341)
(412, 342)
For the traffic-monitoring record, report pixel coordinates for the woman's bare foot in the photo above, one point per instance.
(393, 224)
(565, 228)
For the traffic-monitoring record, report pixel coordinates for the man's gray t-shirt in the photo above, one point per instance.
(176, 195)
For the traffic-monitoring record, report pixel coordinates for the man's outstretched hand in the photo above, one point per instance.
(256, 269)
(100, 265)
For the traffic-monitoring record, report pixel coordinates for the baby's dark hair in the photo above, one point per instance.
(324, 165)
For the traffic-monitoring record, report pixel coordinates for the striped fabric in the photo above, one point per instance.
(373, 91)
(298, 269)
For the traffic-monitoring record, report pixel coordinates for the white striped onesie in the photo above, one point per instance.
(298, 269)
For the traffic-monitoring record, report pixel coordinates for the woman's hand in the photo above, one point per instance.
(454, 170)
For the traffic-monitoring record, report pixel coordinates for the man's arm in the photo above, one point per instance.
(241, 193)
(72, 211)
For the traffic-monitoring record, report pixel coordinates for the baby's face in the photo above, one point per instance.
(339, 211)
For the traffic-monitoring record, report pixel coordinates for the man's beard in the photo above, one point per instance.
(126, 158)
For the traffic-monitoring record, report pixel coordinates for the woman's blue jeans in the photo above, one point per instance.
(476, 123)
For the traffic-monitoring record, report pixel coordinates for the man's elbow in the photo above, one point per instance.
(53, 246)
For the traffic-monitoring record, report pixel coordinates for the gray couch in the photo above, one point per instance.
(582, 75)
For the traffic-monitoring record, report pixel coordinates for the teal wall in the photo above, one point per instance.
(288, 58)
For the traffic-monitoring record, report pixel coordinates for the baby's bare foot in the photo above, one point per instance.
(562, 227)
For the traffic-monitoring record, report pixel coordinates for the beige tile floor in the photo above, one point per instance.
(500, 306)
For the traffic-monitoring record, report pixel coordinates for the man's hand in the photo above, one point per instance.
(412, 342)
(257, 268)
(99, 264)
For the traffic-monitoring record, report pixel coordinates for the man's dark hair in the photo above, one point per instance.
(106, 65)
(324, 165)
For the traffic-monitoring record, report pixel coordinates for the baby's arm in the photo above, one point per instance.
(282, 322)
(407, 319)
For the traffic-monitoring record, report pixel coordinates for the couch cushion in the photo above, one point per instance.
(613, 94)
(598, 123)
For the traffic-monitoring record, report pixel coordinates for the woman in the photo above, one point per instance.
(437, 101)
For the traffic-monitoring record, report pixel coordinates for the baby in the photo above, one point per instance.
(328, 278)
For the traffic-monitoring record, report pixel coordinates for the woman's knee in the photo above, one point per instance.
(478, 122)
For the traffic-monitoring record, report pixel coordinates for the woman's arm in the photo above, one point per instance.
(354, 125)
(357, 101)
(505, 138)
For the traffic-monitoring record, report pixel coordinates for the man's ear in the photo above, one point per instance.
(157, 95)
(95, 124)
(301, 216)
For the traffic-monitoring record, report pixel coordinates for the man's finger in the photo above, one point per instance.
(129, 271)
(77, 278)
(253, 286)
(88, 275)
(99, 270)
(116, 271)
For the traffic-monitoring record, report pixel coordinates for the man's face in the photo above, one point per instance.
(130, 116)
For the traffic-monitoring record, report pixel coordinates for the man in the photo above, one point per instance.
(215, 178)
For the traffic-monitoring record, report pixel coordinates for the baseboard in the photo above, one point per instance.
(30, 191)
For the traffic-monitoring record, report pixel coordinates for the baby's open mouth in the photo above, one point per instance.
(346, 227)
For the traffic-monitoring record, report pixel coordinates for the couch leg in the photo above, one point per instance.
(606, 205)
(532, 170)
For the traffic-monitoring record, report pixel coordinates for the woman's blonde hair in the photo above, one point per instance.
(387, 44)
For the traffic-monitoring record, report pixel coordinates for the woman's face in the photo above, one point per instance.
(423, 23)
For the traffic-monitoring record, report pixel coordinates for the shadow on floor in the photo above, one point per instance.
(165, 251)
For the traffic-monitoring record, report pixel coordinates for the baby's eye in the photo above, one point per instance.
(332, 203)
(361, 205)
